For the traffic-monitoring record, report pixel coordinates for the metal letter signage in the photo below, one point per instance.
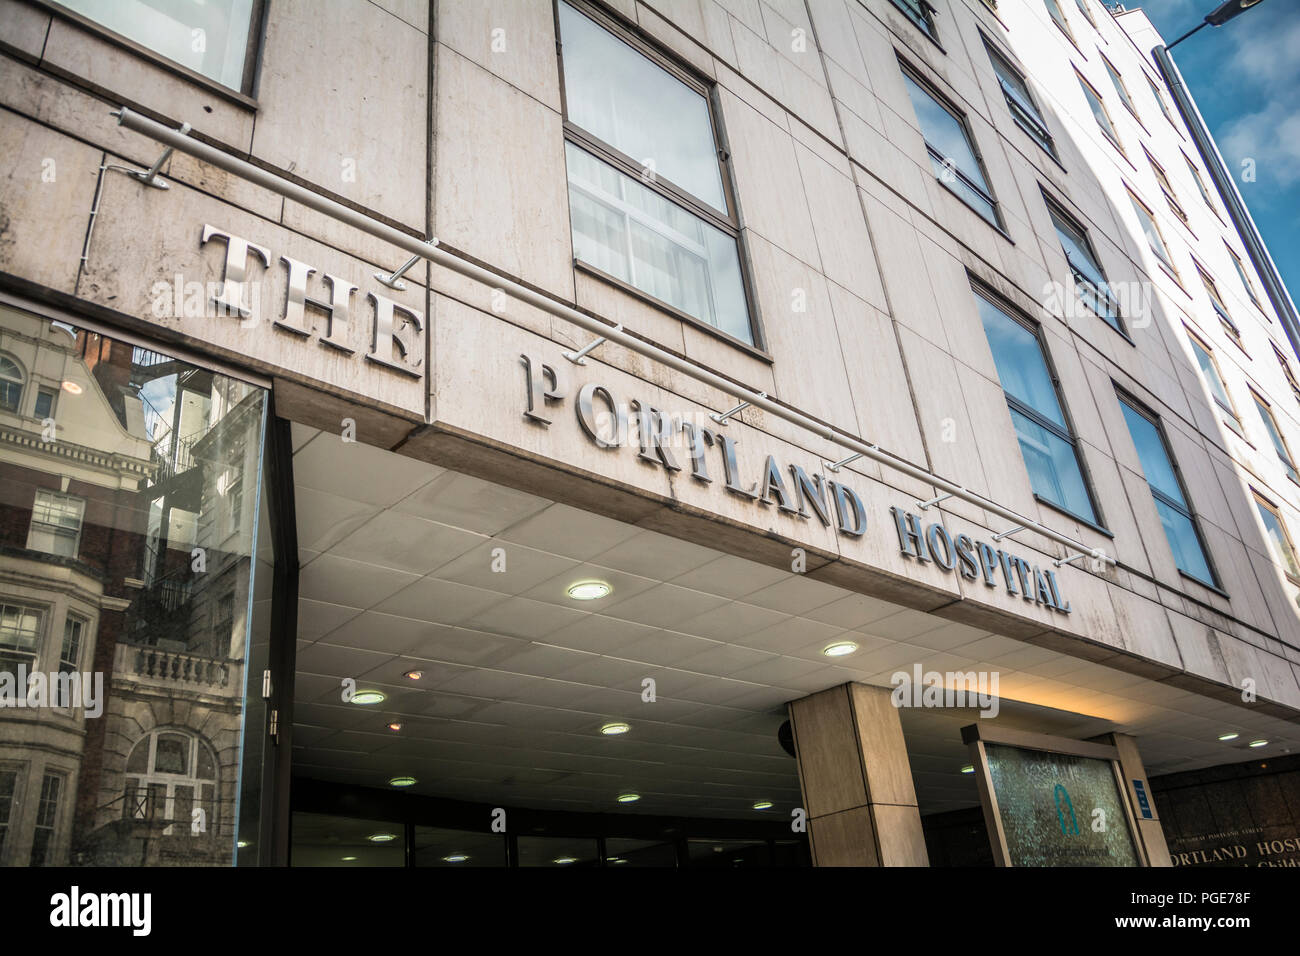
(975, 559)
(396, 331)
(671, 443)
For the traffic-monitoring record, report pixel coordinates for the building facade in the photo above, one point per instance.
(834, 432)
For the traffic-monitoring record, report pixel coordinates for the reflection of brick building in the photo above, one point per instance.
(98, 531)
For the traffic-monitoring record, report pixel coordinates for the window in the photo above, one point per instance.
(1099, 113)
(1165, 187)
(56, 524)
(952, 150)
(1058, 17)
(1089, 281)
(20, 636)
(1155, 241)
(1118, 82)
(1083, 8)
(1167, 489)
(1200, 184)
(74, 629)
(647, 199)
(921, 13)
(1210, 372)
(1046, 441)
(1286, 370)
(169, 774)
(1278, 538)
(174, 29)
(1024, 109)
(1279, 444)
(47, 815)
(8, 784)
(1160, 99)
(1241, 274)
(44, 403)
(1216, 300)
(11, 384)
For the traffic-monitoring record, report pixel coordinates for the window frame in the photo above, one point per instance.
(1082, 7)
(1200, 185)
(1034, 119)
(922, 18)
(1185, 509)
(727, 221)
(1067, 434)
(1230, 409)
(1121, 88)
(21, 382)
(1276, 438)
(1216, 302)
(1160, 101)
(986, 192)
(1287, 371)
(1266, 504)
(1056, 210)
(1168, 262)
(1061, 20)
(57, 530)
(1166, 187)
(245, 95)
(1108, 131)
(38, 651)
(19, 769)
(1241, 274)
(58, 814)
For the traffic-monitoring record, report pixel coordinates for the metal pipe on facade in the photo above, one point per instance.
(427, 250)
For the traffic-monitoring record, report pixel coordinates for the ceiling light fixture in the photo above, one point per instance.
(402, 782)
(565, 860)
(348, 859)
(1259, 743)
(969, 768)
(589, 590)
(413, 675)
(1227, 737)
(614, 728)
(364, 697)
(763, 805)
(395, 726)
(382, 837)
(629, 797)
(839, 648)
(456, 858)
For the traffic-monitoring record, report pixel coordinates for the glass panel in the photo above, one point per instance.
(440, 847)
(972, 197)
(633, 104)
(1149, 229)
(149, 496)
(1018, 355)
(1241, 274)
(1119, 86)
(1099, 112)
(634, 234)
(323, 840)
(1212, 378)
(917, 13)
(8, 784)
(1164, 108)
(625, 852)
(945, 134)
(47, 816)
(1200, 184)
(1046, 801)
(1270, 426)
(1021, 101)
(1156, 466)
(210, 37)
(1278, 540)
(1184, 543)
(1057, 15)
(557, 851)
(1077, 250)
(1053, 467)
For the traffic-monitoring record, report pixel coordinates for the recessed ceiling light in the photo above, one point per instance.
(763, 805)
(413, 675)
(615, 859)
(565, 860)
(402, 782)
(382, 837)
(456, 858)
(839, 648)
(72, 388)
(614, 728)
(629, 797)
(395, 726)
(368, 697)
(1259, 743)
(1228, 736)
(589, 590)
(969, 768)
(241, 844)
(347, 859)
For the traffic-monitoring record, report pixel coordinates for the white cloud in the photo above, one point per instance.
(1270, 137)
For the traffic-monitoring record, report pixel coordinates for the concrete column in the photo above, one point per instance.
(1150, 832)
(856, 781)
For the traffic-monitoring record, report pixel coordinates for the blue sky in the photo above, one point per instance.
(1245, 77)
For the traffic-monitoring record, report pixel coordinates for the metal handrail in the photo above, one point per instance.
(439, 256)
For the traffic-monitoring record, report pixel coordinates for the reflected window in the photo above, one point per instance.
(729, 854)
(20, 636)
(56, 524)
(1046, 441)
(951, 148)
(435, 846)
(579, 852)
(648, 202)
(47, 818)
(1181, 531)
(169, 774)
(320, 839)
(11, 384)
(620, 851)
(74, 628)
(8, 787)
(213, 38)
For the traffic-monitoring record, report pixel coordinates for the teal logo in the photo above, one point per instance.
(1060, 816)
